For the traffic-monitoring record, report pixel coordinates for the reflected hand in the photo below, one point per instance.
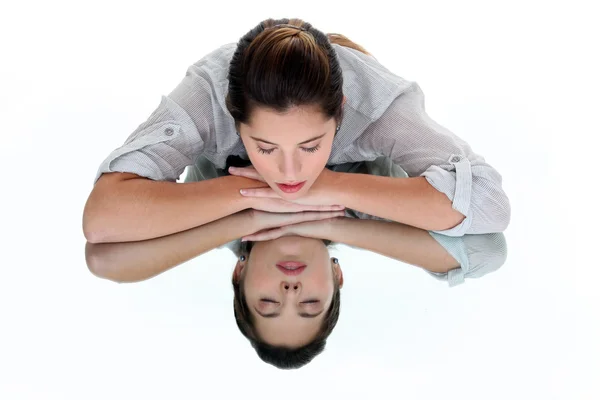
(313, 224)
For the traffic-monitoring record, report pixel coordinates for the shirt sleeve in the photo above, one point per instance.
(169, 140)
(478, 255)
(422, 147)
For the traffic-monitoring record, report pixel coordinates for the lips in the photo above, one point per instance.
(291, 267)
(296, 271)
(290, 188)
(291, 264)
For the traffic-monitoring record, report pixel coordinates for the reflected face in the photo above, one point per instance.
(289, 148)
(289, 306)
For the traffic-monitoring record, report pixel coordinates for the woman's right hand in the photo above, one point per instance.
(263, 220)
(274, 205)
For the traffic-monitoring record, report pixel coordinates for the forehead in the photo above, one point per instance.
(308, 114)
(279, 332)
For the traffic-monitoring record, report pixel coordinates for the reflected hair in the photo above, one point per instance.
(282, 357)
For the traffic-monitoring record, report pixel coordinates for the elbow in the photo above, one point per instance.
(91, 233)
(94, 260)
(90, 230)
(501, 218)
(97, 212)
(493, 215)
(500, 202)
(505, 215)
(492, 258)
(97, 262)
(92, 224)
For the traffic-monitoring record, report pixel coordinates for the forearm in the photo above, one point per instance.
(399, 241)
(138, 209)
(411, 201)
(136, 261)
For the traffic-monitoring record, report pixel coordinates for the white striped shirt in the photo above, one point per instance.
(384, 116)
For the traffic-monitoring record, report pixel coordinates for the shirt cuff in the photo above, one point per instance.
(456, 184)
(160, 148)
(477, 255)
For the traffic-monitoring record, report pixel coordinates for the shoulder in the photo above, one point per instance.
(368, 85)
(220, 55)
(214, 66)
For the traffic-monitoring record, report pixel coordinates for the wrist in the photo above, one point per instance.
(337, 227)
(236, 183)
(329, 228)
(230, 228)
(247, 223)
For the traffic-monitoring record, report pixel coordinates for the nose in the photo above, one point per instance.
(291, 287)
(289, 166)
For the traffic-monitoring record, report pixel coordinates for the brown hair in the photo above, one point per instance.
(284, 63)
(280, 64)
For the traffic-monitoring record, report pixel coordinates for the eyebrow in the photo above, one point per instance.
(276, 314)
(275, 144)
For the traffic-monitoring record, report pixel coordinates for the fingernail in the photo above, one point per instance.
(243, 240)
(231, 168)
(242, 191)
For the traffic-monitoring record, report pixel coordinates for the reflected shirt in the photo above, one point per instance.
(384, 115)
(477, 255)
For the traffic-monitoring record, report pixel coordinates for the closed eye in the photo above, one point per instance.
(308, 150)
(312, 301)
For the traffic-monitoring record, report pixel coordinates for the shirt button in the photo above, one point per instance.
(169, 131)
(455, 159)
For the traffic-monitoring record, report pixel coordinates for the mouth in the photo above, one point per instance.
(291, 267)
(291, 188)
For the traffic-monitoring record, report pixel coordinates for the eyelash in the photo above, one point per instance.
(310, 150)
(304, 302)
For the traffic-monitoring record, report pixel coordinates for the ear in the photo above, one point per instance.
(344, 101)
(237, 271)
(337, 271)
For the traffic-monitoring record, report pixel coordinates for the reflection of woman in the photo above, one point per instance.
(280, 88)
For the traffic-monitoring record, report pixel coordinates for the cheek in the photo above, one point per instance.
(321, 283)
(263, 166)
(257, 281)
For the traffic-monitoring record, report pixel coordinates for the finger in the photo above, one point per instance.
(296, 218)
(267, 235)
(247, 173)
(235, 171)
(242, 172)
(320, 215)
(259, 192)
(324, 208)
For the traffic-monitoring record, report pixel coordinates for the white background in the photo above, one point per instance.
(517, 79)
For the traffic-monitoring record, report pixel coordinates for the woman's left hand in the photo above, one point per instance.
(248, 172)
(320, 193)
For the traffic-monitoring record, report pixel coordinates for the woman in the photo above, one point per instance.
(284, 90)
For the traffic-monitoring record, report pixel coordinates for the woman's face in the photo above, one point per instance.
(289, 148)
(288, 310)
